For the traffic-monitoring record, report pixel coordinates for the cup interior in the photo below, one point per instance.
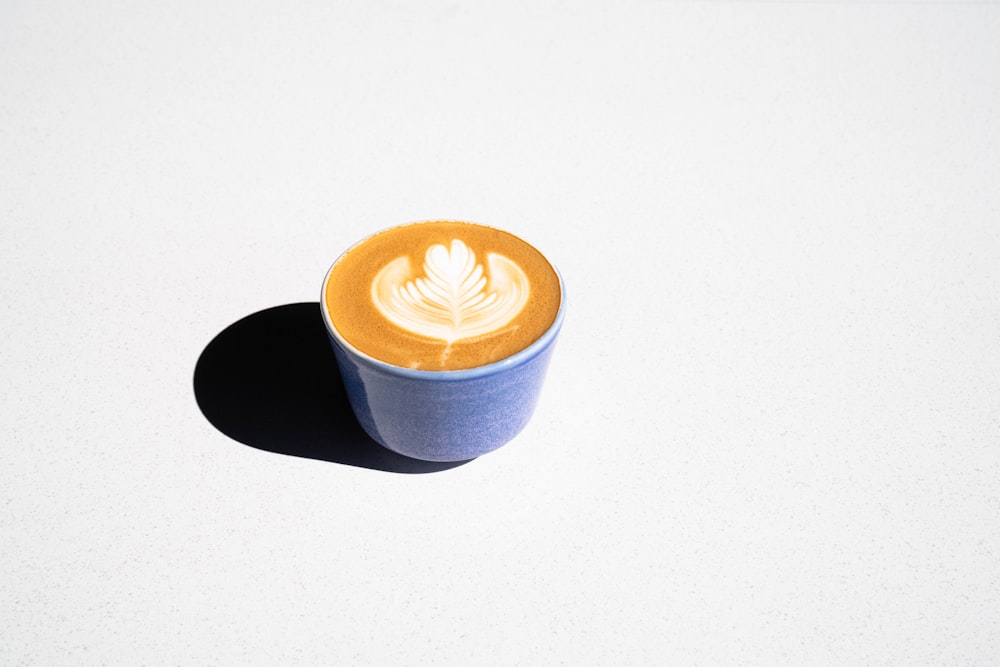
(522, 355)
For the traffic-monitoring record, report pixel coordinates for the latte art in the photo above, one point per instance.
(454, 299)
(441, 295)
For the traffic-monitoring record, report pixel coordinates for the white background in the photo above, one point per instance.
(771, 429)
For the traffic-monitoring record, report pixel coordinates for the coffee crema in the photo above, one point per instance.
(442, 295)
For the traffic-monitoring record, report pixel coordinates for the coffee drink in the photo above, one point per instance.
(441, 295)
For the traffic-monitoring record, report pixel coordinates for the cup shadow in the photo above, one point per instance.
(270, 381)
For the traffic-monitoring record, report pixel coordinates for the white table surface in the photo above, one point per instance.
(771, 429)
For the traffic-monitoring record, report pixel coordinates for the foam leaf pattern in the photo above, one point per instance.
(455, 298)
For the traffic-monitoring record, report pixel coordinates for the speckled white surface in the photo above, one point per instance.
(771, 430)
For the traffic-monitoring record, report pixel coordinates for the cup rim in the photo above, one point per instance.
(516, 359)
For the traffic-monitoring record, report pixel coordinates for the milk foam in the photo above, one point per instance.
(455, 298)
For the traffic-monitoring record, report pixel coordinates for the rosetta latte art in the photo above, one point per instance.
(456, 298)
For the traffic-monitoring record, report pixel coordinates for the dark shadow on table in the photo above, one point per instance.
(271, 381)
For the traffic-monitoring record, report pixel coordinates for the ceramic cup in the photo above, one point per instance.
(451, 415)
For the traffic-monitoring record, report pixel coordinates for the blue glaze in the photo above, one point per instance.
(445, 415)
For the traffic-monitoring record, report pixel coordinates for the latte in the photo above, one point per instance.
(441, 295)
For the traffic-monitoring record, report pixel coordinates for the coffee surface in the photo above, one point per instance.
(442, 295)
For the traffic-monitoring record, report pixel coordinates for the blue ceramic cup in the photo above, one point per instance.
(444, 415)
